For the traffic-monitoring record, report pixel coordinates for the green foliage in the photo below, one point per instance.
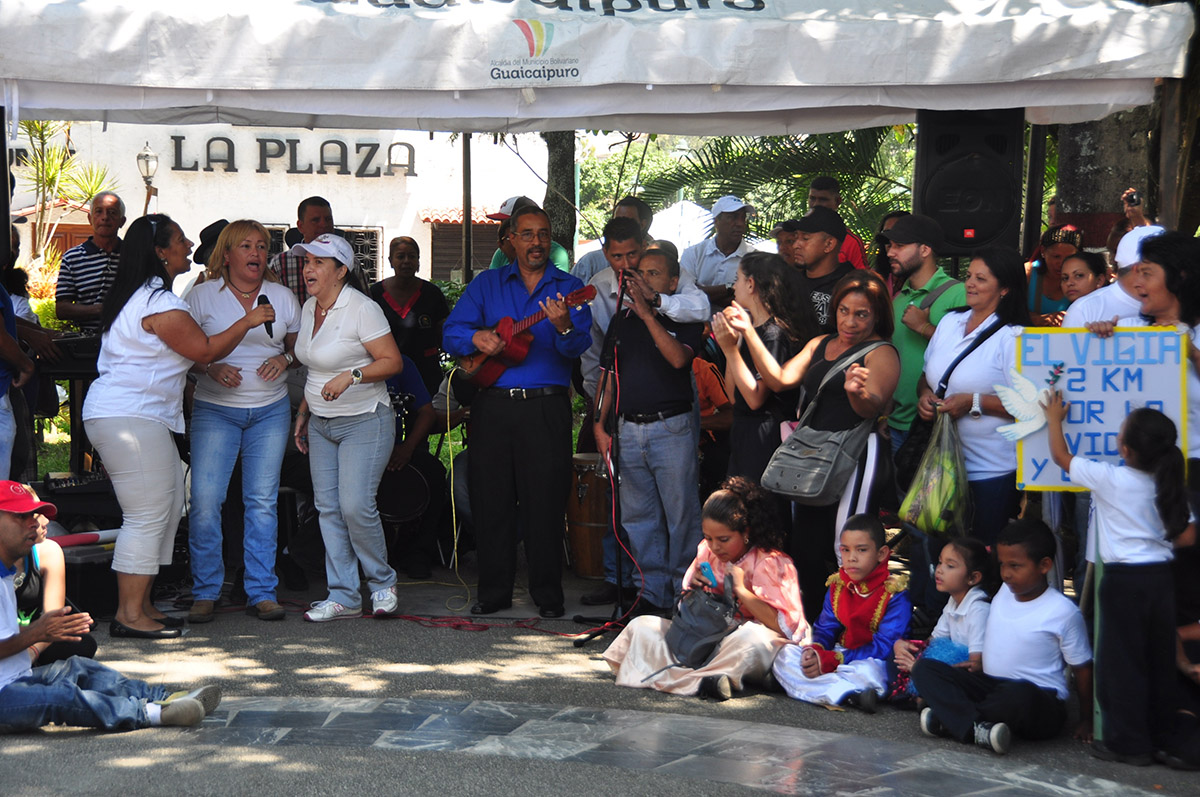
(55, 173)
(451, 290)
(605, 180)
(874, 167)
(46, 314)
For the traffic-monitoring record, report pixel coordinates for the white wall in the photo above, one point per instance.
(394, 203)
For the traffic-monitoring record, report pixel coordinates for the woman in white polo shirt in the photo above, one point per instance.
(996, 297)
(346, 425)
(149, 342)
(241, 409)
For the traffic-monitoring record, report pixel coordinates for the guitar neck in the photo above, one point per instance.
(526, 323)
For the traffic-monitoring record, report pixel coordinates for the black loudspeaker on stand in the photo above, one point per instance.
(608, 378)
(969, 174)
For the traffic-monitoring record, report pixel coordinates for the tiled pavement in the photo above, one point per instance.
(770, 757)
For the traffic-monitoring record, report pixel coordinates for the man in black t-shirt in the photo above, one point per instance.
(651, 387)
(819, 236)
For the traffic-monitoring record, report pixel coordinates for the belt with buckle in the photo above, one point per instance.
(651, 417)
(522, 393)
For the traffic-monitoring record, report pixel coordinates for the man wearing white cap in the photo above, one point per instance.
(74, 691)
(714, 261)
(1115, 300)
(559, 257)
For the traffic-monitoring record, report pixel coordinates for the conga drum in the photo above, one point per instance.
(587, 515)
(403, 495)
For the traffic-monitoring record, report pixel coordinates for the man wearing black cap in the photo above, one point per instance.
(74, 691)
(819, 236)
(928, 293)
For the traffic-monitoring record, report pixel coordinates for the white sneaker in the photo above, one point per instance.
(384, 601)
(995, 736)
(323, 611)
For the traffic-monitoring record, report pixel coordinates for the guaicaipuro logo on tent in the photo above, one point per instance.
(525, 59)
(538, 34)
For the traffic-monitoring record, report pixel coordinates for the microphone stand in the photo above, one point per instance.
(608, 377)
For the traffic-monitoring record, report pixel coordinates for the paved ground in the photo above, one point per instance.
(449, 706)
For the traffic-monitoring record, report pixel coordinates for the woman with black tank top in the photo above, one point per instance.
(763, 295)
(863, 315)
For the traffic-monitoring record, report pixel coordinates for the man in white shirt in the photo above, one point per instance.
(593, 263)
(75, 691)
(713, 262)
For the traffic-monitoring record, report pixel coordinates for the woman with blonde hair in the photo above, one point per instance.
(241, 409)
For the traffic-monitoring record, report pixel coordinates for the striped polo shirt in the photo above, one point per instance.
(86, 275)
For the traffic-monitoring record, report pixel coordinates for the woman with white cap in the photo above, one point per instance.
(346, 425)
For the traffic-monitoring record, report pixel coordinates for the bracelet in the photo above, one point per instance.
(288, 356)
(302, 414)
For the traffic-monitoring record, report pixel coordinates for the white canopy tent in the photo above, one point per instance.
(676, 66)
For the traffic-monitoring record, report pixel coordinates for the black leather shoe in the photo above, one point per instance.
(551, 612)
(171, 622)
(121, 630)
(479, 607)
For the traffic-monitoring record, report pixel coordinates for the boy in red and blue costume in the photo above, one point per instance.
(866, 610)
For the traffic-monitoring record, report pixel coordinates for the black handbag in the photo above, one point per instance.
(701, 621)
(814, 466)
(908, 456)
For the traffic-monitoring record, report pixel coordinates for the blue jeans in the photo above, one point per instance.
(219, 434)
(995, 501)
(76, 691)
(898, 436)
(8, 435)
(347, 457)
(660, 501)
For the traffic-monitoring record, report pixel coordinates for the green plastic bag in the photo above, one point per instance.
(938, 501)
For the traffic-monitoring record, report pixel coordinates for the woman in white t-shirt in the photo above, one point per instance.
(995, 288)
(149, 342)
(346, 425)
(241, 408)
(1165, 280)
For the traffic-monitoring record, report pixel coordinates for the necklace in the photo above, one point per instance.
(324, 310)
(243, 293)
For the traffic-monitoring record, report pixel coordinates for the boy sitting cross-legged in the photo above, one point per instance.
(1031, 631)
(866, 610)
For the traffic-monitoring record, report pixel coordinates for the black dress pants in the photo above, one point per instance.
(519, 473)
(960, 698)
(1135, 657)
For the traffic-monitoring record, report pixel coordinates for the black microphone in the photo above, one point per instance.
(267, 325)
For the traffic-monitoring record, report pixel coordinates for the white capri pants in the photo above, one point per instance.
(147, 476)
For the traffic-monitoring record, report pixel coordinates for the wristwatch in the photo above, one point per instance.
(976, 410)
(355, 376)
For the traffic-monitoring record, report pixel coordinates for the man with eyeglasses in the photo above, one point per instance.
(520, 466)
(559, 257)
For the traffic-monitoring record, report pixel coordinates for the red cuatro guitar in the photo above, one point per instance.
(483, 370)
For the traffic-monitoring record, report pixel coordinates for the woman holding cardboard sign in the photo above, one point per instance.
(985, 332)
(1167, 280)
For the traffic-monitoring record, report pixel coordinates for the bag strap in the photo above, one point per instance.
(944, 382)
(935, 294)
(847, 359)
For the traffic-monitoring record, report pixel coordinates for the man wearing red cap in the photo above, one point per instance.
(559, 257)
(75, 691)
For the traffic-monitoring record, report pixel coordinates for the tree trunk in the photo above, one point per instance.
(560, 191)
(1097, 161)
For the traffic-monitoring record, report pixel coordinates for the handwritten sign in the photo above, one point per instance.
(1104, 379)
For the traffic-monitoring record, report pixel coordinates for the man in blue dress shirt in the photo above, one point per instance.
(519, 471)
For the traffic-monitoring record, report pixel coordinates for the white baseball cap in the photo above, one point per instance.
(730, 204)
(328, 245)
(1129, 250)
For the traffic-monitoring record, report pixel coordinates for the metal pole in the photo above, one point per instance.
(1035, 180)
(5, 194)
(467, 246)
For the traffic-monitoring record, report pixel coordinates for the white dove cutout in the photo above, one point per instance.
(1024, 402)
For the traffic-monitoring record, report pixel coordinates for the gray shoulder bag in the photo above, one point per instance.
(813, 467)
